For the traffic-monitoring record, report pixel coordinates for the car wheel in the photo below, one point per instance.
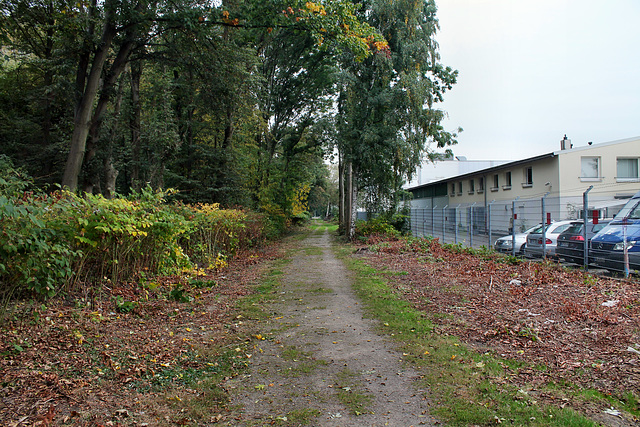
(521, 251)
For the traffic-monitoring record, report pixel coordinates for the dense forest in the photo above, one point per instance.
(233, 102)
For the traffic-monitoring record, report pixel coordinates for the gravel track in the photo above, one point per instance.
(324, 365)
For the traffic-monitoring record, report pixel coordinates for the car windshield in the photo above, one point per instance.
(551, 228)
(559, 228)
(599, 226)
(631, 210)
(575, 228)
(530, 230)
(537, 230)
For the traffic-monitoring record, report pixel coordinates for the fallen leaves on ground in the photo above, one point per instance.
(69, 363)
(582, 328)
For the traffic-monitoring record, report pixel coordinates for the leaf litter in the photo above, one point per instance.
(104, 363)
(584, 329)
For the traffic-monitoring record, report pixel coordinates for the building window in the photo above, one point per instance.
(453, 188)
(460, 188)
(590, 168)
(528, 177)
(480, 184)
(507, 181)
(472, 186)
(496, 183)
(627, 169)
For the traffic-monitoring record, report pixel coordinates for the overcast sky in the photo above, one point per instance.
(534, 70)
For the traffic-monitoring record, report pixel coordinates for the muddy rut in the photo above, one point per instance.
(323, 364)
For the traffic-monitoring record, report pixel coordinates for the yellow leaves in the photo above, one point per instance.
(381, 45)
(259, 337)
(78, 336)
(96, 316)
(299, 200)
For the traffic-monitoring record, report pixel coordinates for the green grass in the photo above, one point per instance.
(319, 226)
(351, 394)
(297, 417)
(466, 387)
(221, 363)
(302, 362)
(313, 250)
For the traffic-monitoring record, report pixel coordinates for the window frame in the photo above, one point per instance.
(496, 182)
(527, 173)
(598, 176)
(624, 178)
(507, 181)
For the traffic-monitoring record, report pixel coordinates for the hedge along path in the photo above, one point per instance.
(322, 364)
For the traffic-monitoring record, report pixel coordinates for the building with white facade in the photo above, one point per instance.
(608, 172)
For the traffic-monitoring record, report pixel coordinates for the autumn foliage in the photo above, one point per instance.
(62, 242)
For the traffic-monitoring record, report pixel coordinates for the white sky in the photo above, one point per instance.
(531, 71)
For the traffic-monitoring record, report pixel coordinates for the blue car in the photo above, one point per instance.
(608, 246)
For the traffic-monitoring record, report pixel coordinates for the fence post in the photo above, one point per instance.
(471, 224)
(443, 222)
(455, 224)
(585, 218)
(544, 227)
(424, 221)
(625, 256)
(513, 227)
(433, 221)
(489, 223)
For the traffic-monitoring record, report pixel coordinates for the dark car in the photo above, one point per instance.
(619, 240)
(570, 244)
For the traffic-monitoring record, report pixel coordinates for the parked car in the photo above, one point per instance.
(570, 244)
(608, 246)
(552, 231)
(504, 243)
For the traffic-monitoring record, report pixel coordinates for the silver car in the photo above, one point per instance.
(503, 244)
(552, 231)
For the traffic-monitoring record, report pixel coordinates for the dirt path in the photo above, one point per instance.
(324, 365)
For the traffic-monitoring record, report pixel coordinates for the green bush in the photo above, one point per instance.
(34, 256)
(377, 226)
(58, 242)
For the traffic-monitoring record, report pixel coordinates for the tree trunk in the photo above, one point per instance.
(134, 125)
(109, 170)
(341, 217)
(82, 119)
(110, 176)
(353, 208)
(349, 202)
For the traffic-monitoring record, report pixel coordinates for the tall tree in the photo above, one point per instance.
(388, 118)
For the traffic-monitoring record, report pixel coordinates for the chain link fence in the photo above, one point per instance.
(499, 224)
